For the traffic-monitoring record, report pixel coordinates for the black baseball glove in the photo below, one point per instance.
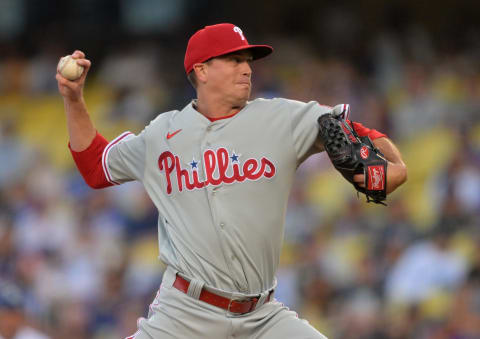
(351, 154)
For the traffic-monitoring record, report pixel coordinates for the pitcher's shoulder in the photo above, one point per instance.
(268, 101)
(162, 120)
(276, 105)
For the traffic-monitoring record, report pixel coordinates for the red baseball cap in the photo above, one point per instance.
(216, 40)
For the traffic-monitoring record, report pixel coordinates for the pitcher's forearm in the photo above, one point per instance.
(396, 176)
(397, 170)
(79, 124)
(389, 150)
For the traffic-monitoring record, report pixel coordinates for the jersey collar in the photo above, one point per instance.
(193, 104)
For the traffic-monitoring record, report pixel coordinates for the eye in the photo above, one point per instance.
(238, 59)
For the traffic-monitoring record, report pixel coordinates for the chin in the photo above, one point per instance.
(243, 100)
(247, 95)
(241, 97)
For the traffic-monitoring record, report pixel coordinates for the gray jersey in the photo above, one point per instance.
(221, 187)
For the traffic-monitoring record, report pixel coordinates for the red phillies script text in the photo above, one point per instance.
(214, 162)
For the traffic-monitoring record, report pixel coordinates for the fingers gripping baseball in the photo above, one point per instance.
(72, 90)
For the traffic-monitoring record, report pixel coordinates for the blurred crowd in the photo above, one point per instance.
(78, 263)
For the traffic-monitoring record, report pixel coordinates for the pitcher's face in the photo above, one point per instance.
(231, 75)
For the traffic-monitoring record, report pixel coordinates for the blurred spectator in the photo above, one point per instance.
(360, 316)
(397, 233)
(418, 109)
(425, 268)
(15, 154)
(42, 65)
(460, 180)
(132, 73)
(13, 323)
(465, 311)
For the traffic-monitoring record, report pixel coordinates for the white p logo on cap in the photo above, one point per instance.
(239, 31)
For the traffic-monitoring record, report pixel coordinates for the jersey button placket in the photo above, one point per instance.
(206, 142)
(215, 190)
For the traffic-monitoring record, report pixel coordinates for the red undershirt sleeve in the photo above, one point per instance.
(364, 131)
(89, 162)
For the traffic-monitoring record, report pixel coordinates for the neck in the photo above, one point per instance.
(214, 108)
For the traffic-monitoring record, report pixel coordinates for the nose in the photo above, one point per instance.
(246, 69)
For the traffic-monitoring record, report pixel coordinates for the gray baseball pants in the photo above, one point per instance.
(174, 314)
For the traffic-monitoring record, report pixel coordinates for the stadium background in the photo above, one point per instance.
(85, 261)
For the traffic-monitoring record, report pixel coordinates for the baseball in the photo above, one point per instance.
(68, 68)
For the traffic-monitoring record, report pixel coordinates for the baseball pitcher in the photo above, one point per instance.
(220, 171)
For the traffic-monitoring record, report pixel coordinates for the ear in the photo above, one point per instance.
(201, 72)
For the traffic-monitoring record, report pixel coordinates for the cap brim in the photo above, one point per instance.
(258, 51)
